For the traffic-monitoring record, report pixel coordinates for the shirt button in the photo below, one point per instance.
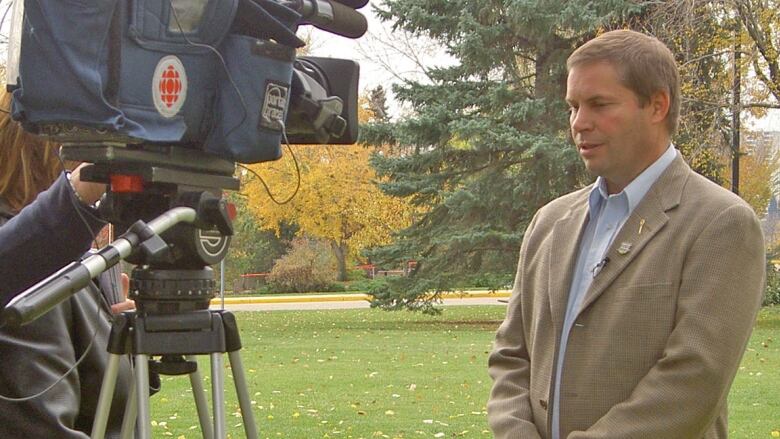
(543, 404)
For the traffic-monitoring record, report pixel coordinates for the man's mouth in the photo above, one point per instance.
(586, 147)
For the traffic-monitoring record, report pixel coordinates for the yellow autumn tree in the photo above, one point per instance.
(757, 165)
(338, 200)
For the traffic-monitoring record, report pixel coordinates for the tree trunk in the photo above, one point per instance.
(340, 251)
(735, 117)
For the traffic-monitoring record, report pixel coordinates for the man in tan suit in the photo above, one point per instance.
(635, 296)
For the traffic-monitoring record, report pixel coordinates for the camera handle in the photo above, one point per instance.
(48, 293)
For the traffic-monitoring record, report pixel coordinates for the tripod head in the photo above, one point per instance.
(167, 205)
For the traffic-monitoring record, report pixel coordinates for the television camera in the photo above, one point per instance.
(163, 97)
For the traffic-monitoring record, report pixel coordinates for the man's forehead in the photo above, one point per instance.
(594, 82)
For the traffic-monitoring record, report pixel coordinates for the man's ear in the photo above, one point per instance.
(659, 103)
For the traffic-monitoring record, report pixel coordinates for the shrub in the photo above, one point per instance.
(366, 285)
(308, 266)
(334, 287)
(491, 281)
(356, 275)
(772, 292)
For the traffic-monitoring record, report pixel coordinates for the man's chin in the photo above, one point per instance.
(593, 167)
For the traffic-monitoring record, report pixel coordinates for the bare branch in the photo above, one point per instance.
(761, 105)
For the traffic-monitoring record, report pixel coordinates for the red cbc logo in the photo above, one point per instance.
(170, 85)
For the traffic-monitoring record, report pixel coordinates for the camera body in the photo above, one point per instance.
(163, 97)
(217, 76)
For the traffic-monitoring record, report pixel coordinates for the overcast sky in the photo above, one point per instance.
(381, 49)
(385, 57)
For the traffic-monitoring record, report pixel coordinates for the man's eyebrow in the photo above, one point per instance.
(590, 99)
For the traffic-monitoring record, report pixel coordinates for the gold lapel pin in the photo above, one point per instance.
(641, 225)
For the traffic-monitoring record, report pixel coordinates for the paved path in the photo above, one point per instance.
(343, 301)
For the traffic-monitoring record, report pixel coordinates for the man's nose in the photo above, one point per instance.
(580, 120)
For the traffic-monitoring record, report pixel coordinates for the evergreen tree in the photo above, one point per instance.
(488, 143)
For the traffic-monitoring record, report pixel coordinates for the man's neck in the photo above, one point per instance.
(615, 187)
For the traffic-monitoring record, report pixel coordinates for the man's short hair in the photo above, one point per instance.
(645, 66)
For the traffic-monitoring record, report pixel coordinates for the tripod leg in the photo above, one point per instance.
(218, 396)
(142, 393)
(250, 428)
(106, 395)
(131, 415)
(196, 382)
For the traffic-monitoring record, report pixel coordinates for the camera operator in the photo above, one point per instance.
(41, 231)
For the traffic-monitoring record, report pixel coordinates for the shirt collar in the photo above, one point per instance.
(637, 189)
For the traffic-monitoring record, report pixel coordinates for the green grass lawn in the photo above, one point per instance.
(754, 401)
(375, 374)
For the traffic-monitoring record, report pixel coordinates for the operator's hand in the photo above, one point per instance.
(127, 305)
(88, 192)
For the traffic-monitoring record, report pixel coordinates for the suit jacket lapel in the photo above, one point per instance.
(566, 236)
(644, 223)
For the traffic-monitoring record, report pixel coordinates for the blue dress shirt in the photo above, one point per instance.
(607, 214)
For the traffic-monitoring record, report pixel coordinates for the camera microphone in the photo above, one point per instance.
(354, 4)
(332, 16)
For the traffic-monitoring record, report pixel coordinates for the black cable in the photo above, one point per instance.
(221, 60)
(98, 299)
(80, 208)
(297, 170)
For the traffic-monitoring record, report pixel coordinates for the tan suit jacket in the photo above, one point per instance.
(662, 327)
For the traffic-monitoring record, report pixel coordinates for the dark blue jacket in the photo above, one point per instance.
(45, 236)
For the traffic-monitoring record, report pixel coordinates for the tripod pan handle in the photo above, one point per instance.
(45, 295)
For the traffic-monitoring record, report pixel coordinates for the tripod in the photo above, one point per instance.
(172, 336)
(172, 293)
(172, 285)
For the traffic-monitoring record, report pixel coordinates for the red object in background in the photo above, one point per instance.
(126, 183)
(232, 211)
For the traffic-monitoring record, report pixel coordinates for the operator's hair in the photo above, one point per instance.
(644, 64)
(28, 164)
